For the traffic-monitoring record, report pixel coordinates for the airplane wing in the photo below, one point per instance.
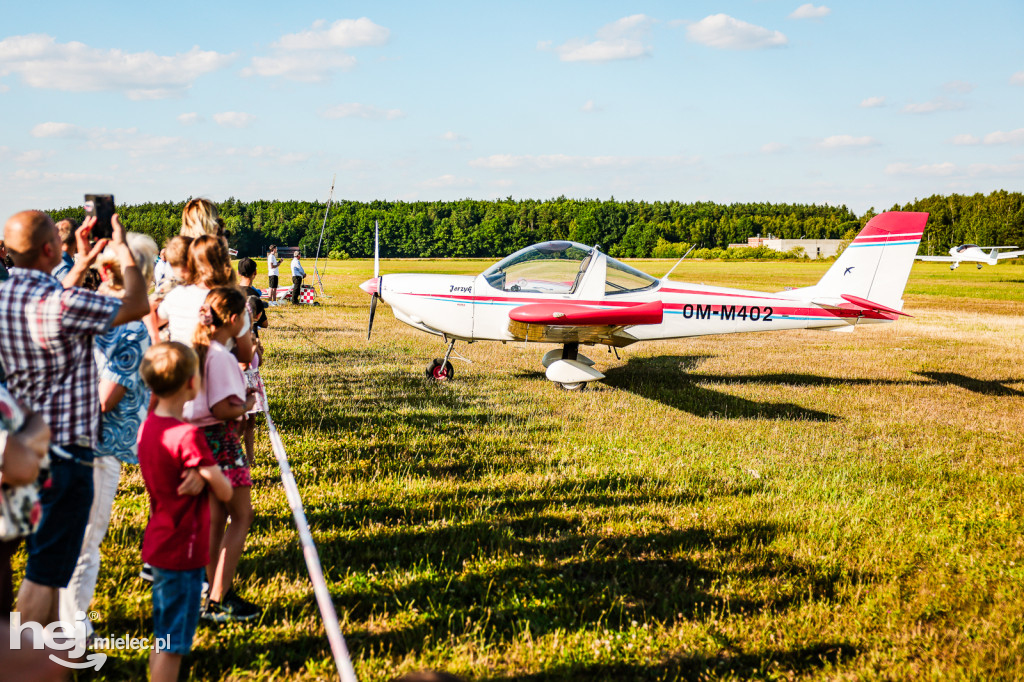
(936, 259)
(1010, 254)
(561, 322)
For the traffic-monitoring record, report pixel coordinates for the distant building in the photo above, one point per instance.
(813, 248)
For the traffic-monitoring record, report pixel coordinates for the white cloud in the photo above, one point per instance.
(999, 137)
(773, 148)
(306, 67)
(1008, 137)
(965, 139)
(264, 153)
(342, 34)
(54, 129)
(447, 180)
(872, 102)
(234, 119)
(1017, 78)
(33, 156)
(990, 169)
(960, 87)
(727, 33)
(589, 107)
(136, 144)
(35, 175)
(809, 11)
(932, 106)
(459, 141)
(559, 161)
(366, 111)
(845, 141)
(312, 55)
(927, 170)
(189, 119)
(42, 62)
(625, 38)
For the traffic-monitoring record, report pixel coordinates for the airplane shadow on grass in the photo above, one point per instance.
(667, 379)
(992, 387)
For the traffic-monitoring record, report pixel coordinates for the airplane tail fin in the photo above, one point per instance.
(876, 265)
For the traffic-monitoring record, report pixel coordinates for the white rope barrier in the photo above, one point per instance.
(316, 573)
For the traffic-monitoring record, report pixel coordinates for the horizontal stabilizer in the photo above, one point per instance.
(575, 314)
(865, 304)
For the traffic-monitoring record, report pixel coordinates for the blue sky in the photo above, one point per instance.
(858, 103)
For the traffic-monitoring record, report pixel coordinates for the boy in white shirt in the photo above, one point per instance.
(298, 273)
(272, 272)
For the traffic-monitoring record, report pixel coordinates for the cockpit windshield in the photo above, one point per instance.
(549, 268)
(964, 247)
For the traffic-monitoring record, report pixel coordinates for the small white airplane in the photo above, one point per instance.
(972, 253)
(564, 293)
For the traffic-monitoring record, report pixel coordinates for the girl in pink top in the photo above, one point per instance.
(217, 410)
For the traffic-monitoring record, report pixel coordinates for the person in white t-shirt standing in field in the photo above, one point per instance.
(272, 273)
(298, 274)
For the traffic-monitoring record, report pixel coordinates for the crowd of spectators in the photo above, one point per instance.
(113, 356)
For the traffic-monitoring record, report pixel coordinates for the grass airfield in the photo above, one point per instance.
(795, 505)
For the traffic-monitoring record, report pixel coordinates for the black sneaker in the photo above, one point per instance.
(231, 608)
(146, 573)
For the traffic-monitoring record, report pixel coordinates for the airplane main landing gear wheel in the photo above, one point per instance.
(440, 370)
(576, 386)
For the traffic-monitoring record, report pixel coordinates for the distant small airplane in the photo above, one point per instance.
(570, 294)
(972, 253)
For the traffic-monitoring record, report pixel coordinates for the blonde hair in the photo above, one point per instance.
(218, 308)
(176, 251)
(144, 252)
(166, 367)
(209, 263)
(200, 217)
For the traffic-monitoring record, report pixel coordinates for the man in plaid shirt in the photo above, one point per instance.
(46, 347)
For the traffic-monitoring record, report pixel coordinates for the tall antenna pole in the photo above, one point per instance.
(316, 273)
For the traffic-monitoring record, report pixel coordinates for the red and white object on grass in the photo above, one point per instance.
(306, 296)
(570, 294)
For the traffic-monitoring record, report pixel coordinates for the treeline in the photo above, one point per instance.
(996, 219)
(637, 229)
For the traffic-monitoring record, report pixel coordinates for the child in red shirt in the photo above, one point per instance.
(177, 539)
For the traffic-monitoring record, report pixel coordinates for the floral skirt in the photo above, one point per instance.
(228, 452)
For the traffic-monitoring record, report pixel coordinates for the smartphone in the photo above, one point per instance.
(101, 206)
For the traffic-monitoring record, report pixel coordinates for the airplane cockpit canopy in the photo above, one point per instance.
(558, 267)
(964, 247)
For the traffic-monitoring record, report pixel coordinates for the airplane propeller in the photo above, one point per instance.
(376, 278)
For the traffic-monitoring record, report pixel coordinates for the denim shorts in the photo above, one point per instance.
(177, 596)
(65, 500)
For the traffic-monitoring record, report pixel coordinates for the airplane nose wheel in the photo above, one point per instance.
(571, 351)
(439, 370)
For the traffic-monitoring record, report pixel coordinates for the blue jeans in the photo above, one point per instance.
(53, 549)
(177, 596)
